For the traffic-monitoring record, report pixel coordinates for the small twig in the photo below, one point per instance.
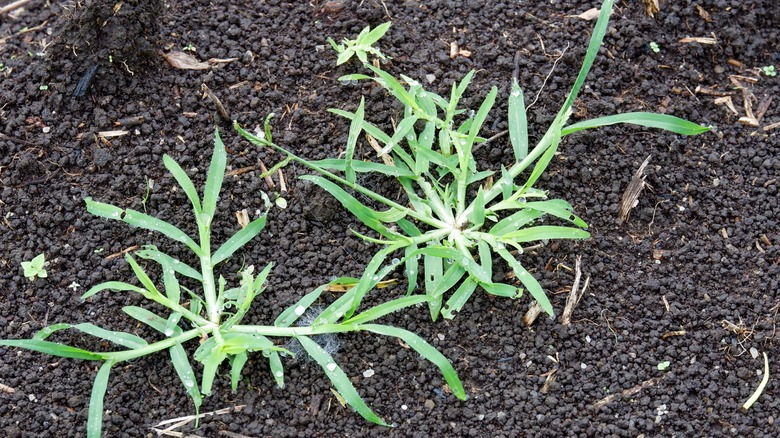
(532, 313)
(220, 108)
(574, 298)
(548, 76)
(628, 392)
(753, 398)
(282, 184)
(268, 181)
(14, 5)
(121, 253)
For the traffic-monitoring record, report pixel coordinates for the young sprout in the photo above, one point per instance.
(35, 267)
(360, 46)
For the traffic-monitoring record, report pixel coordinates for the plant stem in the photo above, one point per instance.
(157, 346)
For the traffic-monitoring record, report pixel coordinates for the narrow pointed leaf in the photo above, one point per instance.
(215, 176)
(649, 120)
(518, 123)
(184, 181)
(52, 348)
(340, 380)
(239, 239)
(427, 351)
(95, 419)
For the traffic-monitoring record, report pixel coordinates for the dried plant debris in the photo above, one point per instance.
(631, 195)
(651, 7)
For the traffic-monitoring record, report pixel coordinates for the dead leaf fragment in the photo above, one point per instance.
(704, 14)
(221, 60)
(651, 7)
(589, 15)
(631, 196)
(185, 61)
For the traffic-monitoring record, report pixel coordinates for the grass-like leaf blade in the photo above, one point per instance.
(459, 298)
(239, 239)
(151, 223)
(51, 348)
(543, 232)
(184, 182)
(113, 285)
(426, 350)
(181, 364)
(277, 369)
(215, 176)
(518, 122)
(528, 281)
(340, 380)
(354, 132)
(649, 120)
(95, 419)
(383, 309)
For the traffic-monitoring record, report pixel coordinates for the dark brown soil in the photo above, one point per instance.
(701, 250)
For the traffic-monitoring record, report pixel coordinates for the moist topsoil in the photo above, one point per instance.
(689, 281)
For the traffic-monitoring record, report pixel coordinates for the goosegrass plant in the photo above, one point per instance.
(457, 218)
(212, 313)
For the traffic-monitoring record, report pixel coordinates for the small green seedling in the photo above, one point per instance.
(769, 70)
(457, 219)
(190, 48)
(654, 47)
(148, 193)
(663, 366)
(43, 87)
(360, 46)
(212, 312)
(35, 267)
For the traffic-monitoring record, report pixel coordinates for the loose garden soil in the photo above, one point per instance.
(690, 279)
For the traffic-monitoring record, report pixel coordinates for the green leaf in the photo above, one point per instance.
(479, 119)
(477, 216)
(545, 232)
(114, 285)
(103, 210)
(459, 298)
(374, 36)
(236, 366)
(383, 309)
(181, 364)
(395, 88)
(151, 223)
(184, 182)
(128, 340)
(150, 252)
(237, 240)
(146, 282)
(340, 380)
(650, 120)
(365, 167)
(528, 281)
(52, 348)
(500, 289)
(216, 174)
(146, 317)
(363, 213)
(518, 123)
(404, 127)
(275, 362)
(354, 132)
(95, 419)
(426, 350)
(292, 313)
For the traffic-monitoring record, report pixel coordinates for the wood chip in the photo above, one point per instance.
(726, 100)
(712, 92)
(268, 181)
(630, 196)
(109, 134)
(242, 216)
(530, 316)
(700, 40)
(218, 103)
